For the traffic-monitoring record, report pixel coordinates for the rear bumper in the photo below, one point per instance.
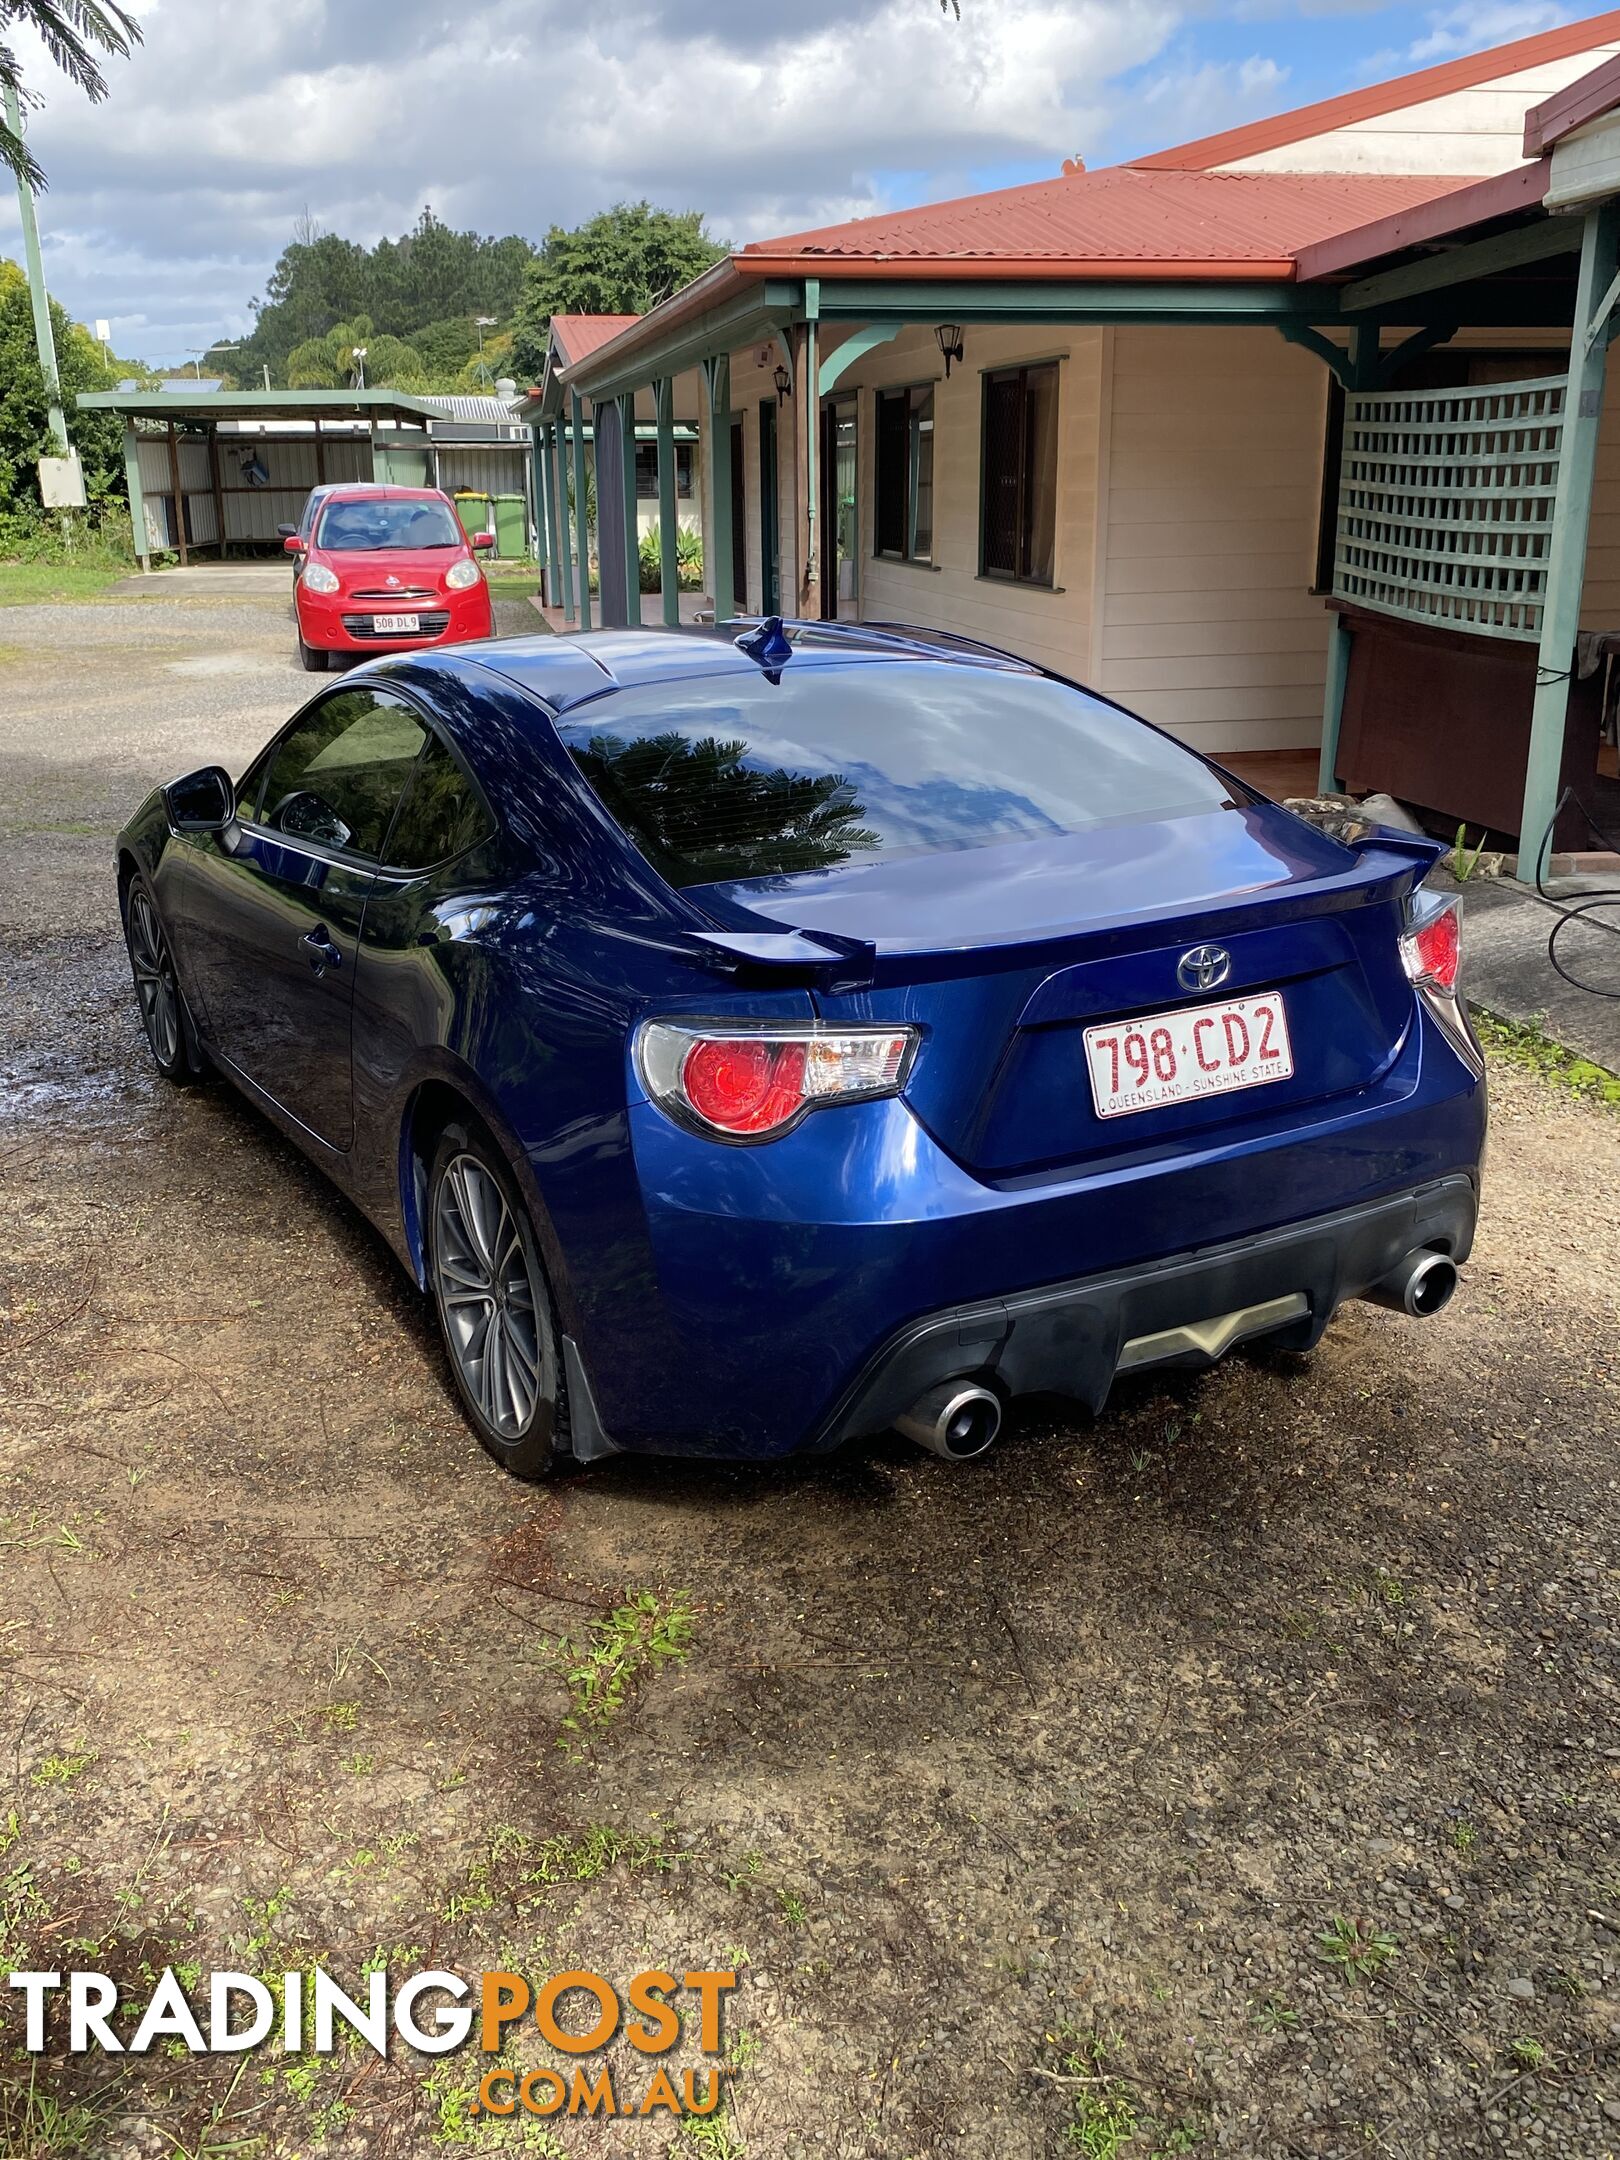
(748, 1302)
(1067, 1339)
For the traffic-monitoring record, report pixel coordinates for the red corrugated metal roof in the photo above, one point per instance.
(1384, 97)
(1506, 194)
(580, 335)
(1123, 221)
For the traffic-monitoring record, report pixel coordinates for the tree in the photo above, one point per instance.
(623, 261)
(70, 31)
(25, 434)
(425, 289)
(333, 362)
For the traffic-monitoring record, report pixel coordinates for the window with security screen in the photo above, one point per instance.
(1019, 493)
(1446, 504)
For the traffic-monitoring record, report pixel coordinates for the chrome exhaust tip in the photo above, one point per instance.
(956, 1420)
(1420, 1287)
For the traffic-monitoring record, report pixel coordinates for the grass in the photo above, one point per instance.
(28, 584)
(604, 1670)
(1531, 1046)
(37, 2125)
(1274, 2016)
(1357, 1948)
(590, 1855)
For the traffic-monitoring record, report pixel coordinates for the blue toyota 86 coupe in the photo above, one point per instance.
(750, 1041)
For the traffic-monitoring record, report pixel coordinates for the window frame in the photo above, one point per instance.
(685, 462)
(1022, 369)
(908, 391)
(382, 864)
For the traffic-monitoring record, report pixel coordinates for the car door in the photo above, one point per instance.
(276, 903)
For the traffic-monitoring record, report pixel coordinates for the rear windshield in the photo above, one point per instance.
(735, 776)
(359, 526)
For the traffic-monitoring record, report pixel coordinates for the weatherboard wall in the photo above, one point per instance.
(1213, 462)
(1052, 625)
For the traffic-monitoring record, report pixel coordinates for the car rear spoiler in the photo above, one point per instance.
(774, 959)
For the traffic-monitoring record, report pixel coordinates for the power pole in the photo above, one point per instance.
(36, 289)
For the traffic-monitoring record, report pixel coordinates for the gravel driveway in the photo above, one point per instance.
(1240, 1774)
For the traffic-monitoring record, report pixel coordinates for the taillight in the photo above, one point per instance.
(1431, 945)
(753, 1083)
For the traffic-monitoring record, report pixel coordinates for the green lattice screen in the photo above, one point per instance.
(1446, 504)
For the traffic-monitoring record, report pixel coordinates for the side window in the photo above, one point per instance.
(336, 778)
(441, 815)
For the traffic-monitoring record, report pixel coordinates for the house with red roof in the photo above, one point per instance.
(1295, 439)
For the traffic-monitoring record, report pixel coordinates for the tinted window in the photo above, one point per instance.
(903, 498)
(441, 815)
(737, 777)
(363, 524)
(337, 776)
(1019, 491)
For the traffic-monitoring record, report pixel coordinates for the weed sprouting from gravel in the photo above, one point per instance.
(604, 1670)
(1357, 1948)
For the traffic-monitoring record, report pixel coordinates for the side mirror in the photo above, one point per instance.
(291, 544)
(201, 802)
(483, 542)
(285, 532)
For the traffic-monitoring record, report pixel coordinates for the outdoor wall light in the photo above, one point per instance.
(949, 336)
(783, 381)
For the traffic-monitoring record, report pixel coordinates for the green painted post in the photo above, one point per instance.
(1572, 514)
(137, 500)
(37, 294)
(1338, 676)
(1364, 375)
(582, 523)
(542, 524)
(632, 549)
(717, 545)
(669, 574)
(559, 519)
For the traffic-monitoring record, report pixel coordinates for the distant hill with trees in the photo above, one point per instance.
(412, 302)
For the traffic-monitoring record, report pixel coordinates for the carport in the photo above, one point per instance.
(215, 469)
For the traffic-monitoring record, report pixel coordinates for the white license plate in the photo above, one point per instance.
(1179, 1056)
(395, 625)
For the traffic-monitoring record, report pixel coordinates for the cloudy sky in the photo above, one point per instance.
(169, 203)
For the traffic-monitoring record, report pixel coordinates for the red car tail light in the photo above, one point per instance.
(1431, 947)
(741, 1083)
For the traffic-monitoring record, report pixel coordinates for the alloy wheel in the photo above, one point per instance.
(489, 1297)
(157, 990)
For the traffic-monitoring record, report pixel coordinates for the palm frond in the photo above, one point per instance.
(70, 29)
(15, 155)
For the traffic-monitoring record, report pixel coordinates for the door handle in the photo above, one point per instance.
(322, 952)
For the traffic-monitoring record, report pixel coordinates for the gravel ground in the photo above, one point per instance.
(1237, 1774)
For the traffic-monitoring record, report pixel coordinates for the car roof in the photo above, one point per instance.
(387, 489)
(568, 672)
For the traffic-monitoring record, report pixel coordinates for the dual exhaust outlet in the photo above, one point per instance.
(959, 1419)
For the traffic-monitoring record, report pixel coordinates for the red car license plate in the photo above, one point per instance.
(1179, 1056)
(395, 625)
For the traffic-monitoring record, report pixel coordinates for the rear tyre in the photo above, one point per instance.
(158, 996)
(496, 1316)
(314, 660)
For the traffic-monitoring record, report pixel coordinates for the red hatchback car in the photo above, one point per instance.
(387, 569)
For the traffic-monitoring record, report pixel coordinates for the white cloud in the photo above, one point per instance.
(170, 202)
(1473, 28)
